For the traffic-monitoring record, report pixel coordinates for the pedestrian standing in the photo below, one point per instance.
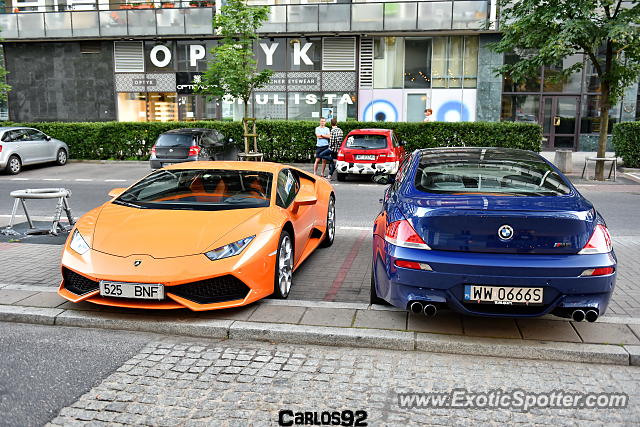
(322, 143)
(428, 113)
(335, 141)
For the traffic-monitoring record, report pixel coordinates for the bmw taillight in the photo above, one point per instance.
(412, 265)
(601, 271)
(153, 150)
(194, 150)
(401, 233)
(599, 242)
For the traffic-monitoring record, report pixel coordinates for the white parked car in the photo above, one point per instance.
(27, 146)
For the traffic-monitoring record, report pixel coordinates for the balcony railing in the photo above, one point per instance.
(294, 18)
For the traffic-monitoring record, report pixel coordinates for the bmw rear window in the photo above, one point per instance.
(366, 142)
(200, 189)
(451, 174)
(174, 140)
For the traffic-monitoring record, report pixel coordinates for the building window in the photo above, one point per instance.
(455, 59)
(304, 106)
(520, 108)
(417, 63)
(388, 62)
(590, 117)
(270, 105)
(531, 84)
(196, 107)
(554, 83)
(132, 107)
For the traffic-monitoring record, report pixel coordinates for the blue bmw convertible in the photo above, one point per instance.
(490, 232)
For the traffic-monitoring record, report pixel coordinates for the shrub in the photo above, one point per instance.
(281, 141)
(626, 142)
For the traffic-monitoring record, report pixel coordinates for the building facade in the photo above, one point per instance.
(99, 60)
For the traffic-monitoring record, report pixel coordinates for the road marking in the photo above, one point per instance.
(115, 180)
(84, 179)
(19, 179)
(344, 268)
(356, 228)
(51, 179)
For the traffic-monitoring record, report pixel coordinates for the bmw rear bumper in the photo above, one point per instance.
(559, 276)
(160, 163)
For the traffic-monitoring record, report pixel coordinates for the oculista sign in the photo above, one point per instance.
(300, 56)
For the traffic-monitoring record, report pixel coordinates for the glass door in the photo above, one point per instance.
(559, 121)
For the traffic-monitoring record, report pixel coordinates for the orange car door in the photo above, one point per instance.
(303, 215)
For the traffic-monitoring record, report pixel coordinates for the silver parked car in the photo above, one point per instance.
(27, 146)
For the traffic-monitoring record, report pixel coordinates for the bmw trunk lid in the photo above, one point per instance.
(501, 224)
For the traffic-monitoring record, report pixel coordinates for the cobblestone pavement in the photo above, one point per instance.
(241, 383)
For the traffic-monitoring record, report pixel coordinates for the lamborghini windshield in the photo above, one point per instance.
(200, 189)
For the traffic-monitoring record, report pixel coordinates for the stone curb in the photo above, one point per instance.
(322, 335)
(519, 349)
(329, 336)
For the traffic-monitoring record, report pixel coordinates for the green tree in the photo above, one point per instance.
(606, 31)
(232, 71)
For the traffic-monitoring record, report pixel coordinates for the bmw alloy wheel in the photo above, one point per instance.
(285, 266)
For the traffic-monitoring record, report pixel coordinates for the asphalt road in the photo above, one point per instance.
(43, 369)
(356, 205)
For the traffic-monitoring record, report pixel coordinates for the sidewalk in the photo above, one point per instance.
(609, 341)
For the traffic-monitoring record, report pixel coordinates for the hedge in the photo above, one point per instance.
(626, 142)
(281, 141)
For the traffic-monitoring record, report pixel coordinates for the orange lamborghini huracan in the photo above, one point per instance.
(202, 235)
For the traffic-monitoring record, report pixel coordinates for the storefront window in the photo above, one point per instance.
(416, 104)
(161, 107)
(471, 62)
(590, 117)
(341, 106)
(132, 107)
(270, 105)
(388, 63)
(417, 63)
(196, 107)
(520, 108)
(454, 58)
(304, 106)
(234, 110)
(531, 84)
(554, 83)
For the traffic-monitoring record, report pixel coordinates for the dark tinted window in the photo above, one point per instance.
(35, 135)
(200, 189)
(451, 173)
(174, 139)
(288, 187)
(366, 142)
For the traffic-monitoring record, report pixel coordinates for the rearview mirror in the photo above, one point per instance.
(116, 192)
(47, 138)
(382, 178)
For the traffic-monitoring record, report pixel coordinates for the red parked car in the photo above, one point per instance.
(369, 151)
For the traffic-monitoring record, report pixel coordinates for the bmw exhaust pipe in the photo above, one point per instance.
(416, 307)
(430, 310)
(578, 315)
(591, 315)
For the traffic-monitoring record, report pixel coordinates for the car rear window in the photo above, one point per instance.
(200, 189)
(366, 142)
(488, 176)
(173, 140)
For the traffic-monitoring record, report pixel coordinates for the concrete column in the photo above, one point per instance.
(489, 94)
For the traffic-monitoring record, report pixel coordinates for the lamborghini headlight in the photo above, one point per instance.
(78, 244)
(229, 250)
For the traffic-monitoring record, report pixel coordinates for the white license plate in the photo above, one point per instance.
(365, 156)
(168, 164)
(131, 290)
(503, 295)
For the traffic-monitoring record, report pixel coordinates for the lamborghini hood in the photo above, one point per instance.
(161, 233)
